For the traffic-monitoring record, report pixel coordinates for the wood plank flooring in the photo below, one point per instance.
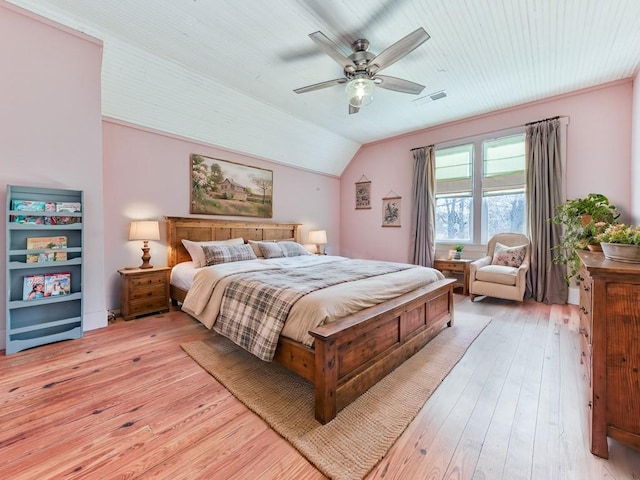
(126, 402)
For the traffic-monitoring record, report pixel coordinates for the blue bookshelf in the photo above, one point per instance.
(55, 315)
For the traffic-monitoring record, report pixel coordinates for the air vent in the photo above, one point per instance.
(432, 97)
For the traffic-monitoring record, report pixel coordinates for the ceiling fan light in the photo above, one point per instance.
(360, 92)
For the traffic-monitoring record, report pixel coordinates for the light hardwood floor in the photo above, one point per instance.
(127, 402)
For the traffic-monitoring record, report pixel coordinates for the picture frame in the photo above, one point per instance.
(391, 211)
(221, 187)
(363, 194)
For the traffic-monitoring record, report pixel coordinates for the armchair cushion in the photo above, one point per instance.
(500, 274)
(509, 256)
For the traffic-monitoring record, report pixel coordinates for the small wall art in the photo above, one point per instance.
(220, 187)
(363, 193)
(391, 209)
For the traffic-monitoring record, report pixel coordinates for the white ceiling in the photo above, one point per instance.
(223, 72)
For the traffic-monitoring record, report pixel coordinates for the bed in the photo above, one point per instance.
(350, 354)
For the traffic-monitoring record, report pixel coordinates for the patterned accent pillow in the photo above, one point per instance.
(508, 256)
(197, 254)
(271, 249)
(215, 254)
(292, 249)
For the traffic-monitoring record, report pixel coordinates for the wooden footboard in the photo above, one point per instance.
(355, 352)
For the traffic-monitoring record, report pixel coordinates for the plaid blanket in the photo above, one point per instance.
(255, 305)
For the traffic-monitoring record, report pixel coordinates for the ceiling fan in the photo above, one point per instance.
(361, 67)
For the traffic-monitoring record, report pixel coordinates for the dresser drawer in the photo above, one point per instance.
(586, 315)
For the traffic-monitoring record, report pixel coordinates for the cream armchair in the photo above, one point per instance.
(501, 280)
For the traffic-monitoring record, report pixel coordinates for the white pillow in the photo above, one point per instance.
(197, 254)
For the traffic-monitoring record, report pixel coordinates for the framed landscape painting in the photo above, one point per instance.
(220, 187)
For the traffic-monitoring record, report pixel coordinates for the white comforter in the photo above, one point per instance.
(204, 296)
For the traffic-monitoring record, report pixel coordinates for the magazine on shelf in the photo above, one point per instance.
(62, 220)
(33, 287)
(57, 284)
(33, 206)
(37, 220)
(54, 249)
(68, 207)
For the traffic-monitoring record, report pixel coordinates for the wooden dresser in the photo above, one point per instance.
(610, 341)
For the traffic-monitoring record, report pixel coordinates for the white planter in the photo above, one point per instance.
(574, 296)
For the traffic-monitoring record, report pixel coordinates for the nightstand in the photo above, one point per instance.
(144, 291)
(459, 268)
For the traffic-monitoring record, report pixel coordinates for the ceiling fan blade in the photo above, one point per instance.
(353, 109)
(318, 86)
(397, 84)
(329, 47)
(402, 47)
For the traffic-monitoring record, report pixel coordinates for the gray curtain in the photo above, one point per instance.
(545, 280)
(423, 246)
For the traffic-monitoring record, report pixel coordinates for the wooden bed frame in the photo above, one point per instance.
(351, 354)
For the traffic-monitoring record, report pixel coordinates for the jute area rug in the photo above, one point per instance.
(350, 445)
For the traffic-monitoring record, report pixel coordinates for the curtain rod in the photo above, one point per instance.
(543, 120)
(426, 146)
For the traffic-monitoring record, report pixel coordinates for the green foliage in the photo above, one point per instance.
(620, 233)
(577, 233)
(594, 204)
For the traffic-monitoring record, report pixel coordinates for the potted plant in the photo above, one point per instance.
(621, 242)
(590, 234)
(582, 220)
(455, 252)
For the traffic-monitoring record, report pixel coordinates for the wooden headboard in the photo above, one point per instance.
(205, 229)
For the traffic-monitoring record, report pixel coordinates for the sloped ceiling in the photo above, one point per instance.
(223, 72)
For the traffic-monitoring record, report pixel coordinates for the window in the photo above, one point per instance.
(480, 188)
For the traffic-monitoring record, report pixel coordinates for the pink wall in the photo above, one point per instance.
(635, 152)
(50, 129)
(598, 160)
(146, 176)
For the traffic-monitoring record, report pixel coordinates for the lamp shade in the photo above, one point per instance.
(144, 230)
(360, 91)
(319, 237)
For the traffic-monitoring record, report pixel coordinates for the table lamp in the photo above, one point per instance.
(319, 237)
(145, 230)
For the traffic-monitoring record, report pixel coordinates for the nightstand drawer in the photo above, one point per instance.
(155, 278)
(144, 306)
(142, 293)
